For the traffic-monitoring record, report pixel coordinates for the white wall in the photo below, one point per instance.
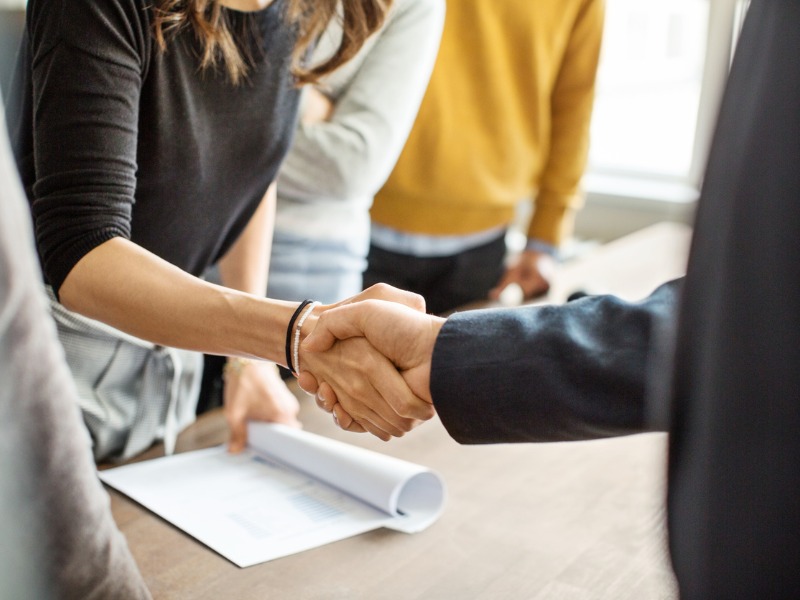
(617, 206)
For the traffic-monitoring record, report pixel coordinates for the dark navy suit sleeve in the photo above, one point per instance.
(548, 373)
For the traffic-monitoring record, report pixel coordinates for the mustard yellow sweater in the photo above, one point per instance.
(505, 117)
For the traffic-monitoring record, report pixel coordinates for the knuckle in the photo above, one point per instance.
(428, 412)
(358, 388)
(381, 288)
(417, 302)
(403, 407)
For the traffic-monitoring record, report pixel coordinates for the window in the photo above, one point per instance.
(662, 70)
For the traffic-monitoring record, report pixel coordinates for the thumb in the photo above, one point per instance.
(335, 324)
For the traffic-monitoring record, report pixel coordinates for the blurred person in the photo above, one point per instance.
(58, 539)
(505, 119)
(353, 125)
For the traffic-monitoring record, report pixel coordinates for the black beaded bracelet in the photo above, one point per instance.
(292, 321)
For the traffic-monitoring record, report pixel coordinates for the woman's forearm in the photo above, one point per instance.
(127, 287)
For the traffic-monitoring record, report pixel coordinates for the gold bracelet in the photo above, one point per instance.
(234, 366)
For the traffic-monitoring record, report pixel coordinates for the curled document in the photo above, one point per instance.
(291, 490)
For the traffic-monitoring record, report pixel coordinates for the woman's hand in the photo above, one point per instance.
(254, 391)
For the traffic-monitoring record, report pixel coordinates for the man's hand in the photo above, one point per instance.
(402, 335)
(532, 271)
(256, 392)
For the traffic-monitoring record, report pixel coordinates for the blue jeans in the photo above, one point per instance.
(324, 270)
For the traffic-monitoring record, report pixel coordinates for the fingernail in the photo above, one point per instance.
(335, 420)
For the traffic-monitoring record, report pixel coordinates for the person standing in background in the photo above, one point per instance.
(353, 125)
(506, 117)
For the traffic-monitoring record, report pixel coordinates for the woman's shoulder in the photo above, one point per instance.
(96, 27)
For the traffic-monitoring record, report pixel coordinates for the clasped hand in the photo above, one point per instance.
(367, 360)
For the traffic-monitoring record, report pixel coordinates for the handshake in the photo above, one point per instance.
(367, 360)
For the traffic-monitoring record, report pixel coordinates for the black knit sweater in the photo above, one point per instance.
(115, 138)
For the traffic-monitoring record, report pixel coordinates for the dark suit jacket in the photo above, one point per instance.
(732, 386)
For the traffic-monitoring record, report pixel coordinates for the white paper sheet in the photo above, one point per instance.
(290, 491)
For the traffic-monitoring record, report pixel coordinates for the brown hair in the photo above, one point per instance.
(360, 18)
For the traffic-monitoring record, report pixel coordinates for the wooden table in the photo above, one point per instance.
(529, 521)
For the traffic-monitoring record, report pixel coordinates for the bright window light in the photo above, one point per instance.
(649, 88)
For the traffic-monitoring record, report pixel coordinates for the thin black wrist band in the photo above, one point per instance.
(296, 314)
